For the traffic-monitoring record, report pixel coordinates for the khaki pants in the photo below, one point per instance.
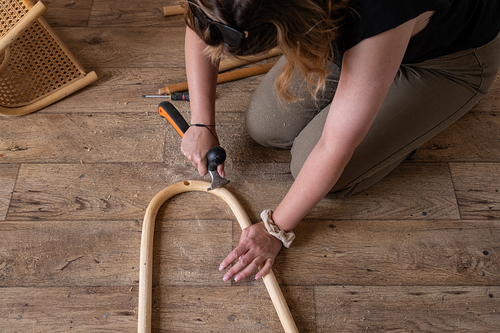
(424, 99)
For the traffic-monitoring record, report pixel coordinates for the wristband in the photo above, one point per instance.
(206, 126)
(285, 237)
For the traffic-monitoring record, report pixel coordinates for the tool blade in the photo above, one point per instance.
(217, 181)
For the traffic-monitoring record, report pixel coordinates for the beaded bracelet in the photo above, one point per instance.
(285, 237)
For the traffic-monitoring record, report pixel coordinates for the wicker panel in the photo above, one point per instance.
(38, 66)
(11, 12)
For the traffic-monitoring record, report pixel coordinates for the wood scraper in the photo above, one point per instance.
(215, 155)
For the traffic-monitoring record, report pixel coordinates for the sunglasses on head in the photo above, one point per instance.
(229, 36)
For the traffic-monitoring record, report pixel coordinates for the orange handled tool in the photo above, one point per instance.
(215, 155)
(169, 112)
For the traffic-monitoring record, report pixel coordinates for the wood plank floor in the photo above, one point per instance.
(418, 251)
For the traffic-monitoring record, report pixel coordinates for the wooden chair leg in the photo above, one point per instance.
(6, 58)
(146, 257)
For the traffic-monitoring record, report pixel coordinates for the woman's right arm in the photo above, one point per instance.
(202, 79)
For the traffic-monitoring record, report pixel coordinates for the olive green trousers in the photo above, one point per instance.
(424, 99)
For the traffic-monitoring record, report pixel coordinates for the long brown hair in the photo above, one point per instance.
(302, 29)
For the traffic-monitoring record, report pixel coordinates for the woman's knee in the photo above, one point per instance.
(275, 123)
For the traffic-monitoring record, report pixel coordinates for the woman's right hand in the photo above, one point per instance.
(195, 145)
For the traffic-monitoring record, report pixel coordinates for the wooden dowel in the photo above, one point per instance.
(233, 63)
(29, 3)
(6, 59)
(223, 77)
(146, 256)
(173, 10)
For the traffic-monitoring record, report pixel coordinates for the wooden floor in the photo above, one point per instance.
(418, 251)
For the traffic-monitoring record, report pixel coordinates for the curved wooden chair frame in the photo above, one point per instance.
(6, 58)
(146, 264)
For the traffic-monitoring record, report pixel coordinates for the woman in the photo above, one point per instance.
(361, 85)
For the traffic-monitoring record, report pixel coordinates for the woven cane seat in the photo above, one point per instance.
(15, 17)
(11, 12)
(36, 70)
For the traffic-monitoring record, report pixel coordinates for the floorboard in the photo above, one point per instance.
(403, 309)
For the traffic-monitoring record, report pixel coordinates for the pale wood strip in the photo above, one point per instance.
(29, 3)
(398, 252)
(407, 309)
(223, 77)
(6, 59)
(96, 253)
(86, 138)
(8, 174)
(98, 191)
(238, 62)
(228, 76)
(473, 138)
(68, 309)
(173, 10)
(477, 187)
(146, 264)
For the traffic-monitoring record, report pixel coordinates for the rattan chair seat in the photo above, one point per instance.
(36, 70)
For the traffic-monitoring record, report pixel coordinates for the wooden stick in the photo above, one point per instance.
(221, 78)
(233, 63)
(6, 58)
(223, 66)
(29, 3)
(146, 256)
(173, 10)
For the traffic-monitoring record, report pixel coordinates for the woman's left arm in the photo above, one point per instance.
(368, 70)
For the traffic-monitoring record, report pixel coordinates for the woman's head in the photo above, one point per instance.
(230, 27)
(302, 29)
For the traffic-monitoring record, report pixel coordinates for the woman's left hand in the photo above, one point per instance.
(256, 247)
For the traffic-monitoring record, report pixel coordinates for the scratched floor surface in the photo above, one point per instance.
(418, 251)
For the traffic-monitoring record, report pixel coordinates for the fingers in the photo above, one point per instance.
(257, 248)
(220, 170)
(200, 163)
(246, 265)
(233, 256)
(195, 144)
(266, 269)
